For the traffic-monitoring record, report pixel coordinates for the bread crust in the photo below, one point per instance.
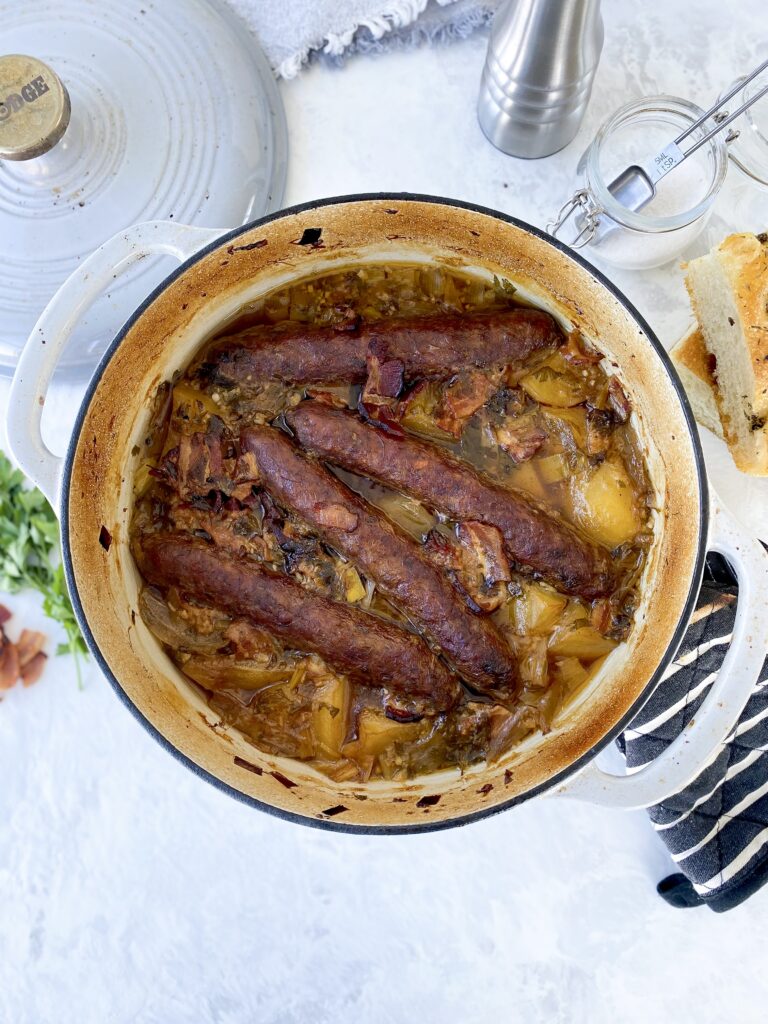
(694, 364)
(691, 352)
(739, 265)
(744, 259)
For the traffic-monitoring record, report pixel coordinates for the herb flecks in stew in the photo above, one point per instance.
(390, 521)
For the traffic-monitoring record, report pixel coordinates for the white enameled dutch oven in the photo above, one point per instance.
(220, 272)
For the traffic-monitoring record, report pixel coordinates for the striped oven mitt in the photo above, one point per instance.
(716, 829)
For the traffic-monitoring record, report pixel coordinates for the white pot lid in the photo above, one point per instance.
(175, 114)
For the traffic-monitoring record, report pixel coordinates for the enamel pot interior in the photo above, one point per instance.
(191, 306)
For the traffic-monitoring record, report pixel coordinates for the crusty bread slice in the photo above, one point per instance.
(729, 294)
(693, 362)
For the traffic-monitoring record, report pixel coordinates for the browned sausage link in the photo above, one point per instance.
(374, 652)
(426, 346)
(386, 555)
(534, 537)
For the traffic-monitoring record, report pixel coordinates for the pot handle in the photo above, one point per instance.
(60, 317)
(685, 757)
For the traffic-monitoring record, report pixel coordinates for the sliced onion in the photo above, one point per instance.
(171, 629)
(222, 672)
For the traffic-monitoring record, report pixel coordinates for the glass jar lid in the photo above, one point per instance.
(749, 151)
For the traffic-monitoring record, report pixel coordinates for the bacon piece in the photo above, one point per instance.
(486, 560)
(463, 397)
(326, 398)
(237, 532)
(383, 384)
(385, 375)
(601, 615)
(29, 644)
(33, 669)
(245, 472)
(193, 464)
(208, 461)
(9, 662)
(476, 561)
(520, 436)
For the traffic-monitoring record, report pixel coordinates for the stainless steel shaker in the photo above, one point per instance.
(537, 79)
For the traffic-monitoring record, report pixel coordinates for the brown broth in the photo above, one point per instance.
(550, 429)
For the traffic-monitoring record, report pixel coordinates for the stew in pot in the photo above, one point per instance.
(391, 520)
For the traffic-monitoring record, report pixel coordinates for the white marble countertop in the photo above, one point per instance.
(132, 892)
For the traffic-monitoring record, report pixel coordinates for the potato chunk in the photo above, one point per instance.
(537, 609)
(353, 586)
(329, 719)
(604, 503)
(553, 469)
(376, 733)
(584, 643)
(525, 477)
(548, 387)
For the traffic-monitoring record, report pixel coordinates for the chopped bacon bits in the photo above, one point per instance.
(385, 375)
(383, 383)
(195, 463)
(388, 378)
(484, 565)
(476, 561)
(381, 416)
(33, 669)
(246, 469)
(204, 462)
(461, 399)
(9, 663)
(23, 660)
(29, 645)
(520, 437)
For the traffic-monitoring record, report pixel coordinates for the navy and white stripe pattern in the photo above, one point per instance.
(717, 828)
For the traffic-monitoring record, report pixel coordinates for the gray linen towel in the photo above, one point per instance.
(294, 33)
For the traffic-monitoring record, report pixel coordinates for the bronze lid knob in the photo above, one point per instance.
(34, 107)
